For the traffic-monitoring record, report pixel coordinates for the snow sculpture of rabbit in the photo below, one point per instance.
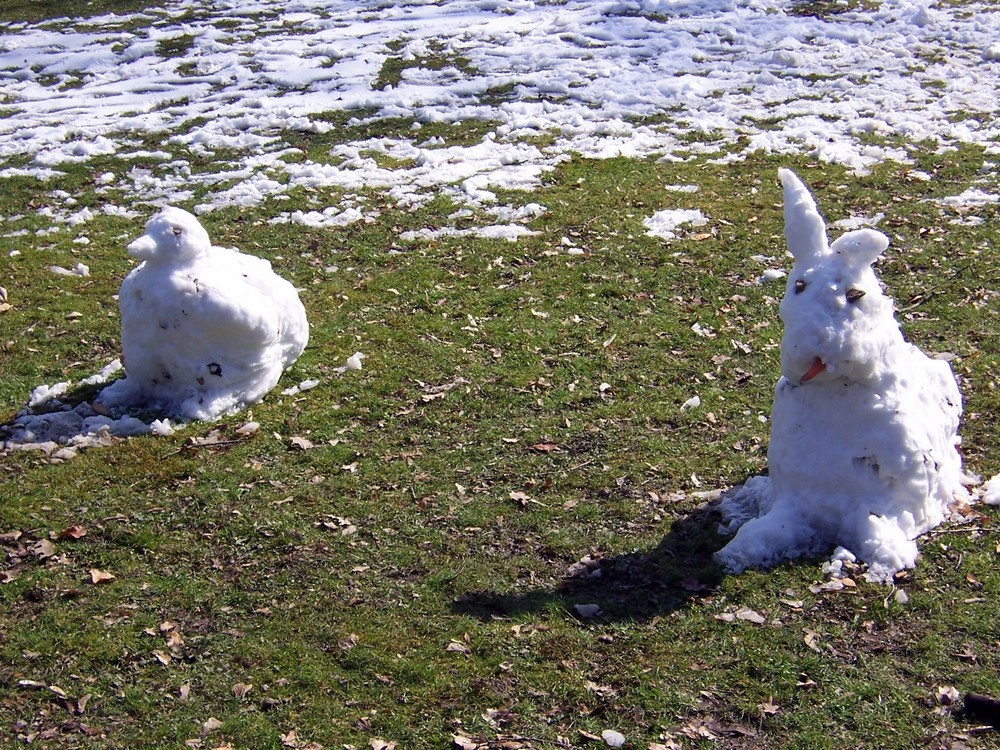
(864, 445)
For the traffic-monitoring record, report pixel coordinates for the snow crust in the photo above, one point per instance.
(49, 425)
(863, 455)
(578, 75)
(664, 224)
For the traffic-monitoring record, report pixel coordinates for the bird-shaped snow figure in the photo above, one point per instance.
(205, 330)
(863, 454)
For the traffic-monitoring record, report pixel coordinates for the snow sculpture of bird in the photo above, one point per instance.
(205, 330)
(863, 455)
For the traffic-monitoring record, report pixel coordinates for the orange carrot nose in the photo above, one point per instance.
(815, 369)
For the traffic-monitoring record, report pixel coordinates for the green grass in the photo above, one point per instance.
(40, 10)
(407, 578)
(336, 592)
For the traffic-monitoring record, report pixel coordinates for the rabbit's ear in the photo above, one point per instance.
(861, 247)
(805, 230)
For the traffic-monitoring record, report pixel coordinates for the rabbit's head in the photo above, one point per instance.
(838, 323)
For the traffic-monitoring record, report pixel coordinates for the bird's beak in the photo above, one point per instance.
(817, 367)
(142, 248)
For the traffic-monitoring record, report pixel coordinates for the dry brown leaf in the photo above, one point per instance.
(461, 742)
(240, 690)
(348, 643)
(300, 443)
(811, 638)
(214, 437)
(211, 724)
(458, 647)
(748, 615)
(377, 743)
(162, 657)
(73, 532)
(98, 577)
(544, 447)
(43, 548)
(769, 707)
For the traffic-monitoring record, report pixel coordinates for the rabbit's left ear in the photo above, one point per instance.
(805, 230)
(861, 247)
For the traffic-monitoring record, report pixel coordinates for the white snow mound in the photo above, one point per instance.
(864, 429)
(205, 330)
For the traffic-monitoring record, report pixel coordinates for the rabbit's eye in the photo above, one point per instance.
(854, 294)
(176, 230)
(800, 286)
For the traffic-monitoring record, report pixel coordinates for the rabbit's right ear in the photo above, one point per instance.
(805, 230)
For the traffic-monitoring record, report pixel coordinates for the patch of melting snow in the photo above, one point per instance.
(729, 69)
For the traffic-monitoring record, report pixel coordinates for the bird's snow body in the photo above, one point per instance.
(205, 330)
(864, 430)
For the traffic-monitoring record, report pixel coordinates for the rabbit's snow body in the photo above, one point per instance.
(864, 430)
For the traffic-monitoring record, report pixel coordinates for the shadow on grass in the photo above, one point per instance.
(633, 587)
(68, 416)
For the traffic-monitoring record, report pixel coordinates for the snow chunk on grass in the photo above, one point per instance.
(664, 224)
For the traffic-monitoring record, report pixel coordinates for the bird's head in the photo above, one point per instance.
(171, 235)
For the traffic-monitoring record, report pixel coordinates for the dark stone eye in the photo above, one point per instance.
(854, 294)
(800, 286)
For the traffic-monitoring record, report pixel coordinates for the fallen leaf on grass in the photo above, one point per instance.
(523, 499)
(214, 437)
(768, 708)
(811, 639)
(749, 615)
(98, 577)
(240, 690)
(461, 742)
(300, 443)
(58, 691)
(291, 739)
(73, 532)
(211, 725)
(43, 548)
(544, 447)
(348, 643)
(946, 695)
(376, 743)
(458, 647)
